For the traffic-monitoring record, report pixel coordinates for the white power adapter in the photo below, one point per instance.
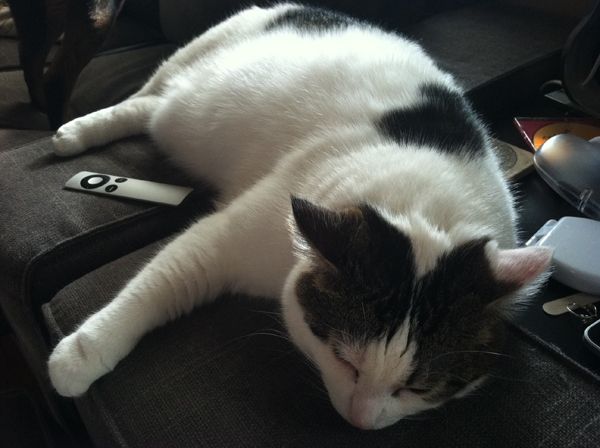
(576, 258)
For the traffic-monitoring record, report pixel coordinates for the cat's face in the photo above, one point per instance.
(389, 341)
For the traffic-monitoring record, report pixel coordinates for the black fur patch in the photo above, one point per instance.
(370, 297)
(443, 120)
(312, 19)
(364, 264)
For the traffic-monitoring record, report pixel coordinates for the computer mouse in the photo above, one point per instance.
(571, 166)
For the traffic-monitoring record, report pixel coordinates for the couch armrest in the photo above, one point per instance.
(50, 236)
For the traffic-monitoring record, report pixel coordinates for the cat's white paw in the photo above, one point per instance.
(75, 364)
(67, 141)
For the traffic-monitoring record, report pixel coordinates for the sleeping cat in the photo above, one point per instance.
(355, 183)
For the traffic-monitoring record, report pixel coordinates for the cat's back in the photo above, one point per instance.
(304, 72)
(312, 61)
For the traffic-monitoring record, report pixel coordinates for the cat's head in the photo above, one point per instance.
(389, 338)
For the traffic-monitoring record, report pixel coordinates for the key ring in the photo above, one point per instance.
(586, 313)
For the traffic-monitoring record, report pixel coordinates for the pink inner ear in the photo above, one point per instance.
(521, 266)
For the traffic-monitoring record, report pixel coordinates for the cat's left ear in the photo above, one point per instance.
(516, 268)
(333, 234)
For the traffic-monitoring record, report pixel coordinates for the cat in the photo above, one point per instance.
(356, 184)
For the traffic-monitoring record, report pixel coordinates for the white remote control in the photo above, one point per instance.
(127, 187)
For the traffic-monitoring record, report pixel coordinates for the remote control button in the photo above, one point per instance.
(111, 188)
(120, 179)
(94, 181)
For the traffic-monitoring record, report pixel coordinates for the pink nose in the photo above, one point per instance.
(360, 424)
(364, 412)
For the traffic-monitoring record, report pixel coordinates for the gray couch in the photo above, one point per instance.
(223, 376)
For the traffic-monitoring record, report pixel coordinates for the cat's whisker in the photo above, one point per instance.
(443, 374)
(268, 333)
(515, 380)
(274, 314)
(362, 304)
(460, 352)
(311, 364)
(316, 386)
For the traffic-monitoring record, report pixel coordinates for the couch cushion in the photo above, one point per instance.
(9, 53)
(11, 138)
(500, 53)
(131, 31)
(106, 80)
(226, 376)
(182, 20)
(16, 110)
(50, 235)
(110, 78)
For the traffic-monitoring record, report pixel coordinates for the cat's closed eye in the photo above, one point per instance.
(414, 390)
(348, 365)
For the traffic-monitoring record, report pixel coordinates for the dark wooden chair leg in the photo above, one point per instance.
(38, 27)
(86, 27)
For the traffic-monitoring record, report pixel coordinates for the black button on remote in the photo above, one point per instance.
(120, 179)
(111, 188)
(94, 181)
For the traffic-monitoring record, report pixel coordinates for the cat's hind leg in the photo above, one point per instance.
(242, 248)
(131, 117)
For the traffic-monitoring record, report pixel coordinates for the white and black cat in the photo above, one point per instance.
(356, 184)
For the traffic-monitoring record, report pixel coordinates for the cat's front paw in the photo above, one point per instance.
(75, 364)
(67, 140)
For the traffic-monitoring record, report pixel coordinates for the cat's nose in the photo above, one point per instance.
(364, 412)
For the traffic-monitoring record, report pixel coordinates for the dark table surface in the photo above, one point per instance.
(536, 204)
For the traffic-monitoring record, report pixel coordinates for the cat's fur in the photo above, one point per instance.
(355, 183)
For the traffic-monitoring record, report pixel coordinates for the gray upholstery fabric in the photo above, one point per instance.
(131, 31)
(182, 20)
(11, 138)
(9, 54)
(42, 217)
(110, 78)
(50, 236)
(499, 53)
(507, 38)
(15, 109)
(223, 377)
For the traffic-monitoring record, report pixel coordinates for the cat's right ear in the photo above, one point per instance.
(518, 267)
(333, 234)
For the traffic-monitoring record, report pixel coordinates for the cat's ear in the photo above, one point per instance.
(480, 267)
(355, 240)
(331, 233)
(518, 267)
